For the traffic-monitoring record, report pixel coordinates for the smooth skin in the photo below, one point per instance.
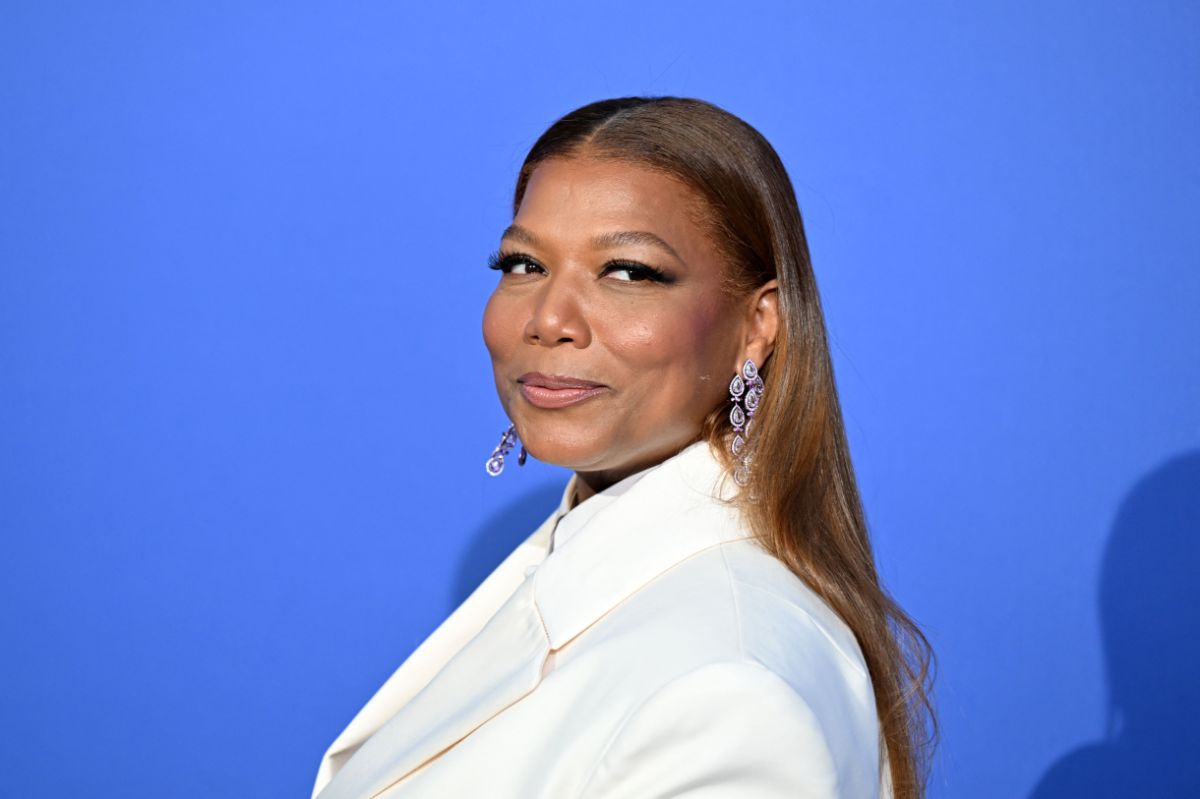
(665, 350)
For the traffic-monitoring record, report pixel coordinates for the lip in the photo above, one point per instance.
(557, 391)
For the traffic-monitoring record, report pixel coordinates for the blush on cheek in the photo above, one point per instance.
(638, 337)
(712, 330)
(671, 339)
(706, 322)
(652, 349)
(703, 330)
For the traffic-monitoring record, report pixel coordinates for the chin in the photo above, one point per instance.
(575, 449)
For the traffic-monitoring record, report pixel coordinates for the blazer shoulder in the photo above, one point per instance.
(754, 734)
(771, 600)
(738, 600)
(754, 670)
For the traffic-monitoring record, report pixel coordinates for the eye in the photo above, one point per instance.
(631, 271)
(513, 263)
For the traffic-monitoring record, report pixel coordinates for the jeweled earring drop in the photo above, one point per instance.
(495, 464)
(745, 392)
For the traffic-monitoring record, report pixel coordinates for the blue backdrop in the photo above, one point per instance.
(246, 403)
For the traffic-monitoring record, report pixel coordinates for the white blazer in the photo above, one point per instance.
(660, 651)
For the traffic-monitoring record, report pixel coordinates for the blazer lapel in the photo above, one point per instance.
(495, 669)
(436, 651)
(677, 509)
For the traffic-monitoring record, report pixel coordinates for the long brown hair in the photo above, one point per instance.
(806, 508)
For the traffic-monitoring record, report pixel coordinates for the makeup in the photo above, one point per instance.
(557, 391)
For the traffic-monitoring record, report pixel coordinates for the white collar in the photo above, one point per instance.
(573, 519)
(654, 519)
(673, 510)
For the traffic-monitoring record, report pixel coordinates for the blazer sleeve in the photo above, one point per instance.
(726, 730)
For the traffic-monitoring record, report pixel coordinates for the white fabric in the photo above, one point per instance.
(581, 514)
(658, 651)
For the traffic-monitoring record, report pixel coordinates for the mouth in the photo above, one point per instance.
(557, 391)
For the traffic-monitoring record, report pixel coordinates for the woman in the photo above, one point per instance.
(701, 615)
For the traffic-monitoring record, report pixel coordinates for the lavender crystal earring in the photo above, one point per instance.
(495, 464)
(745, 392)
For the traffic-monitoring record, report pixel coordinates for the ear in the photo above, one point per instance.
(762, 322)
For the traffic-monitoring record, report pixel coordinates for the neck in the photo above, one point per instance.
(592, 482)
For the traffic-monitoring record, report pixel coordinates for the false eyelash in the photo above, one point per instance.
(635, 268)
(499, 260)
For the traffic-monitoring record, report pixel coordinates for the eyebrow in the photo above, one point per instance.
(615, 238)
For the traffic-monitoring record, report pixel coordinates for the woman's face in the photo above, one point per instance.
(610, 336)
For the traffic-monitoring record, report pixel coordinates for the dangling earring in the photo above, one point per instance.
(495, 464)
(745, 392)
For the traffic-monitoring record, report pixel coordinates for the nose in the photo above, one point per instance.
(557, 317)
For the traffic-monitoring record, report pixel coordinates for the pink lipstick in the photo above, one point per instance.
(557, 391)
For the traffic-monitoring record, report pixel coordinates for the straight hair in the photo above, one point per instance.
(806, 509)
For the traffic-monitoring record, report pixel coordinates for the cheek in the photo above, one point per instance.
(671, 341)
(498, 330)
(708, 330)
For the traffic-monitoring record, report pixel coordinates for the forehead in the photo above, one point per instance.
(570, 199)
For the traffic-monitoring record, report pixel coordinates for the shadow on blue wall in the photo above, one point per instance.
(500, 534)
(1148, 612)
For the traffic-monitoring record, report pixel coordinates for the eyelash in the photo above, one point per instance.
(503, 262)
